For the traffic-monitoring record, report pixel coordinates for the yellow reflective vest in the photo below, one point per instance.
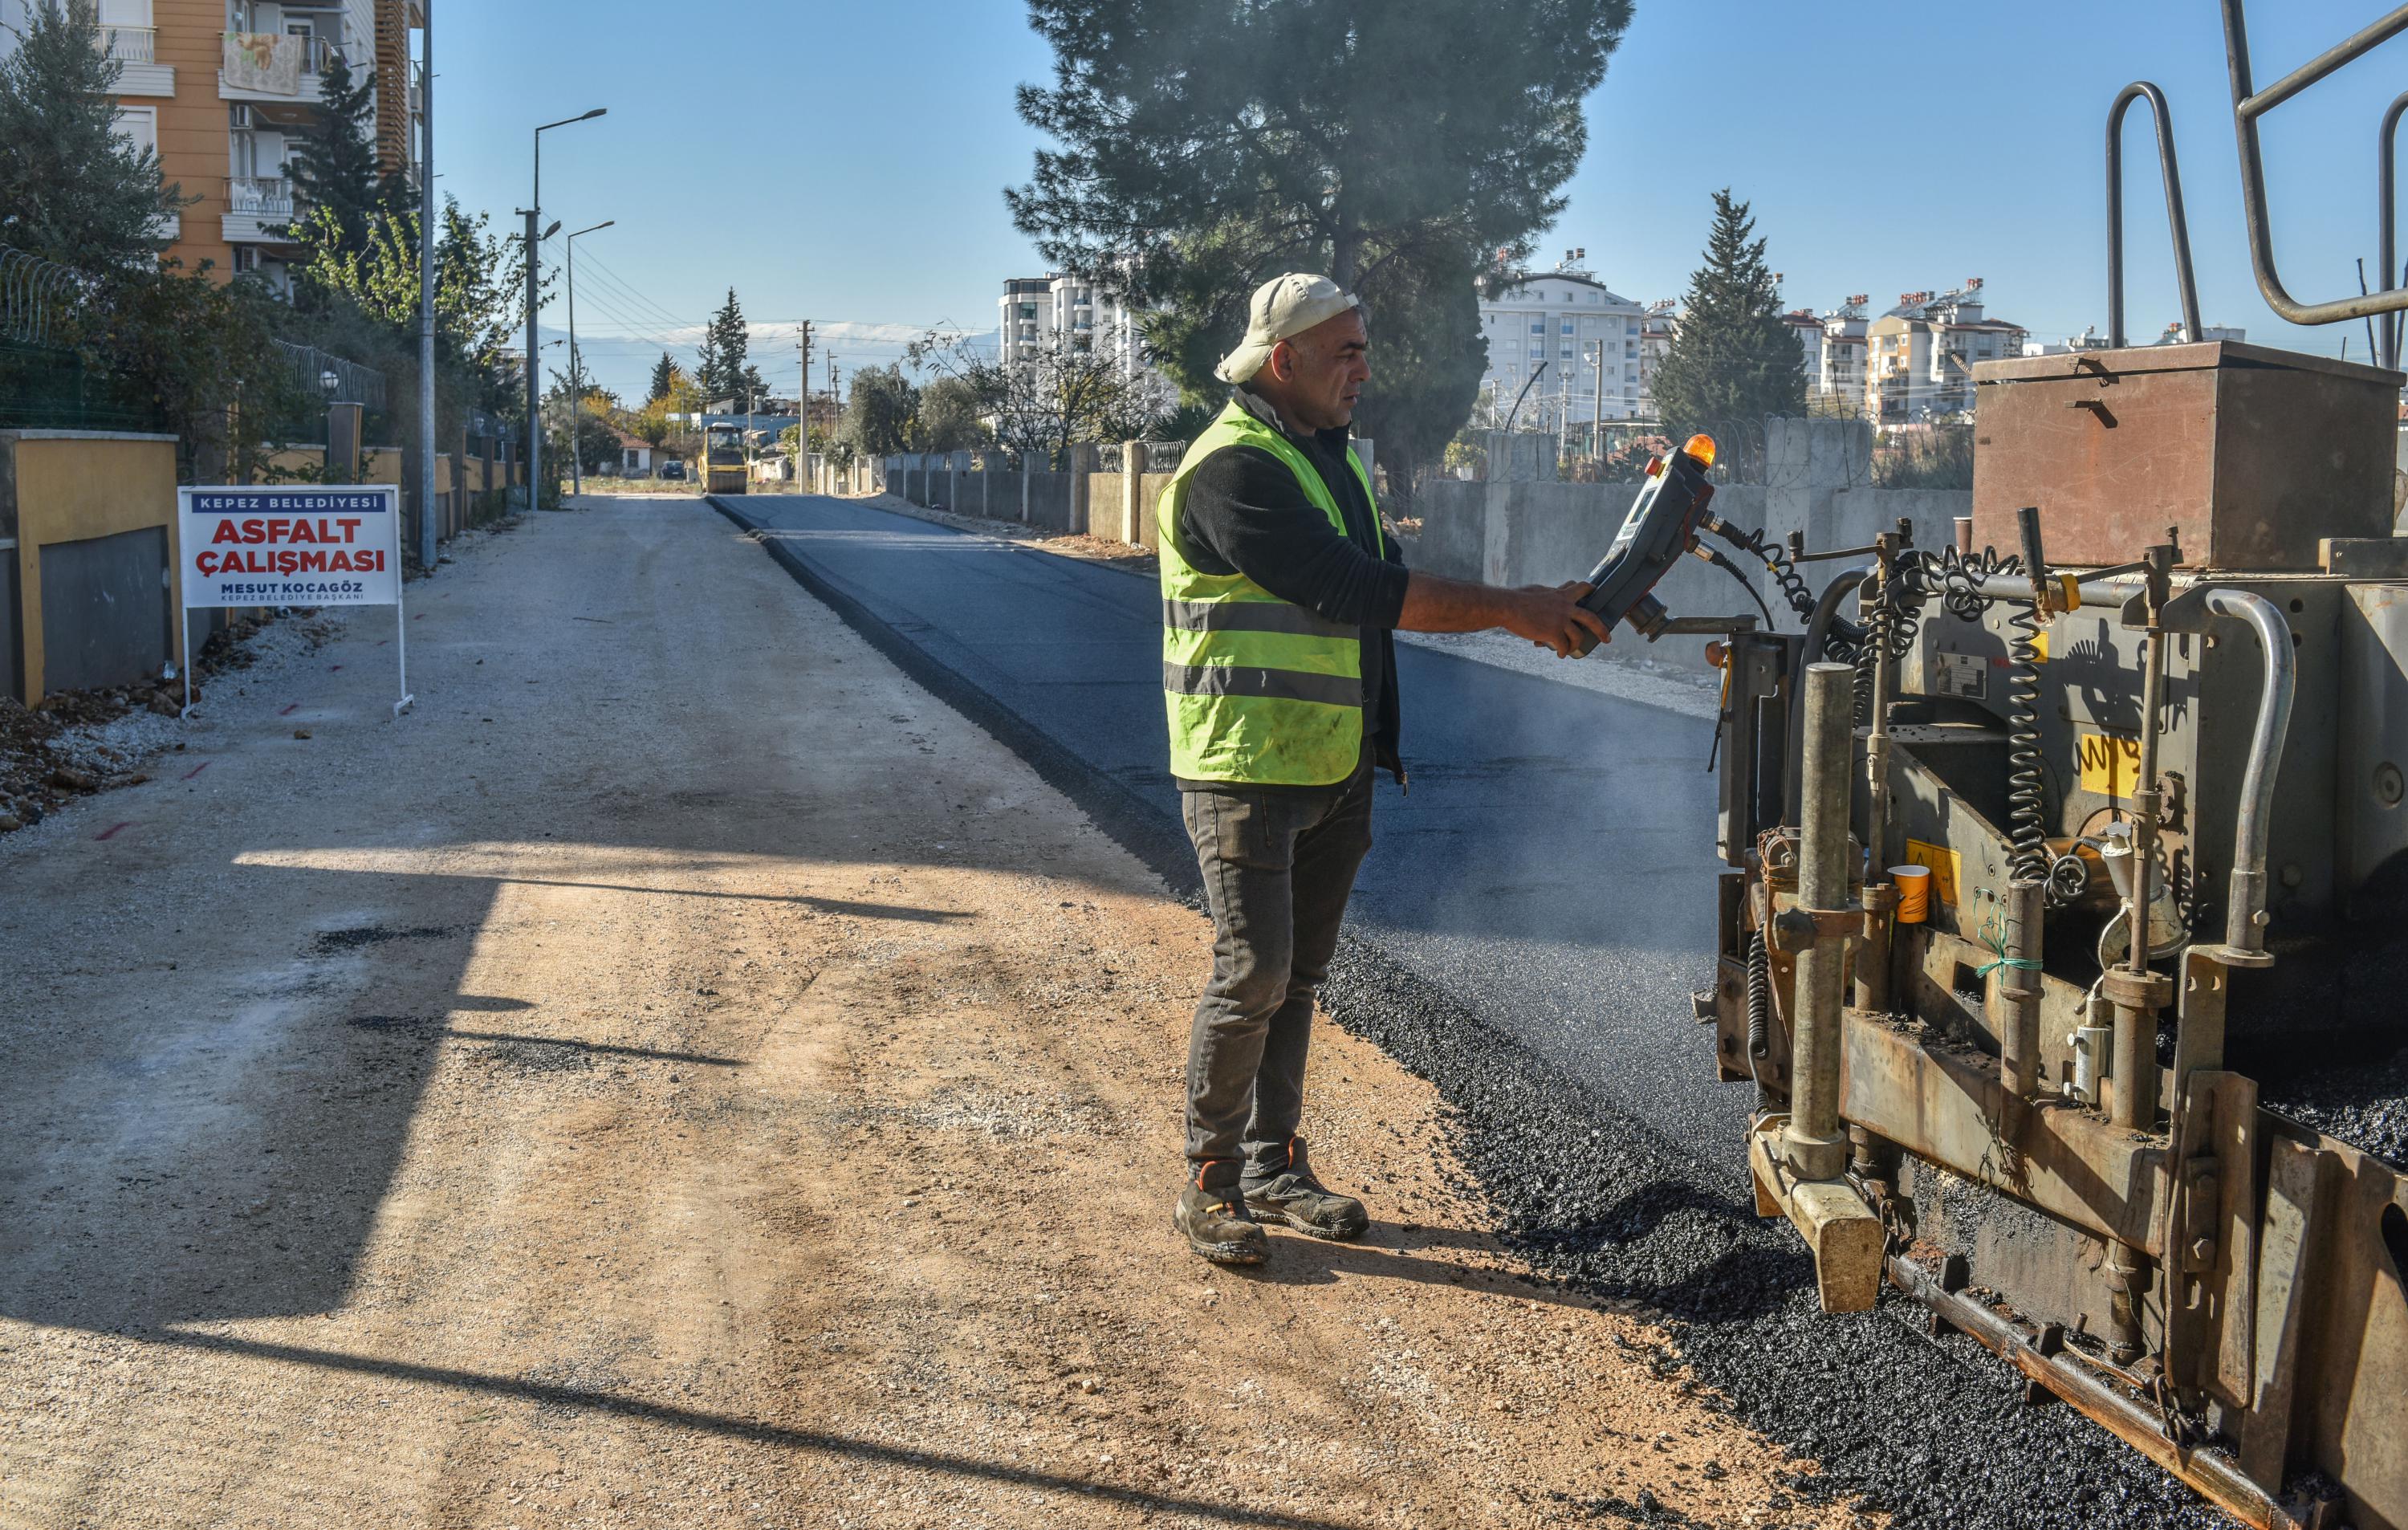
(1261, 691)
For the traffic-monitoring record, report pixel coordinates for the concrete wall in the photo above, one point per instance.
(70, 486)
(1150, 488)
(1080, 500)
(1049, 501)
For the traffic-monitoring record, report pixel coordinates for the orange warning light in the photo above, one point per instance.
(1701, 447)
(1655, 466)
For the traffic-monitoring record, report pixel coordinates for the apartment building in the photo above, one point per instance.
(1655, 339)
(1839, 370)
(1919, 356)
(223, 89)
(1036, 313)
(1574, 334)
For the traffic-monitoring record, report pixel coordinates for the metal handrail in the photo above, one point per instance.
(2248, 104)
(129, 44)
(2142, 90)
(2386, 142)
(356, 384)
(31, 292)
(266, 196)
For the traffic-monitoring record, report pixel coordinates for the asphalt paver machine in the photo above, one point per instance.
(2056, 851)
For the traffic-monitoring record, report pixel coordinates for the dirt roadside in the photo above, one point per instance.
(682, 1074)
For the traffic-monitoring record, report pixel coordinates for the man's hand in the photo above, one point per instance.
(1554, 618)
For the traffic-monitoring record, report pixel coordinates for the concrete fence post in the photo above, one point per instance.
(1132, 475)
(1025, 474)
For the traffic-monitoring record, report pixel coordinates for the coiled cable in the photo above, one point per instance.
(2024, 763)
(1759, 996)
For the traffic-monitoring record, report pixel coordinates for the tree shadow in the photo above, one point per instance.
(783, 1437)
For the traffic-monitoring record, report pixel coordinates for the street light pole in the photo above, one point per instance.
(426, 290)
(533, 298)
(577, 363)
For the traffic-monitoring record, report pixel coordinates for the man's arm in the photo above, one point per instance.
(1245, 510)
(1551, 618)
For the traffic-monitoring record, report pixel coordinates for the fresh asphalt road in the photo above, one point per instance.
(1552, 865)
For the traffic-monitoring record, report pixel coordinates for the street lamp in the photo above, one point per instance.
(576, 369)
(535, 287)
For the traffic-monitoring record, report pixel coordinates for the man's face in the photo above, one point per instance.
(1320, 373)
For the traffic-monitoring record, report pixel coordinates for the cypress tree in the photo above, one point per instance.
(664, 377)
(722, 370)
(334, 166)
(1732, 361)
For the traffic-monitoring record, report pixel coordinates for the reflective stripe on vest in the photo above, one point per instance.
(1259, 690)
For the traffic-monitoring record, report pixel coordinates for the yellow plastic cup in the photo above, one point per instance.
(1914, 885)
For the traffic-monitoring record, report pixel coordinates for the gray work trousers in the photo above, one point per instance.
(1277, 868)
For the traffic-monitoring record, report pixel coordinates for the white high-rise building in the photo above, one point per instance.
(1033, 310)
(1575, 336)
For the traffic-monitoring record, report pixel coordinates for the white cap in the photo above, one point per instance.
(1282, 307)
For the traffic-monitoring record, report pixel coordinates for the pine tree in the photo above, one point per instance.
(721, 370)
(1199, 149)
(71, 190)
(334, 166)
(1732, 361)
(667, 375)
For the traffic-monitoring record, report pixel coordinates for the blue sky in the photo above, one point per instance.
(845, 163)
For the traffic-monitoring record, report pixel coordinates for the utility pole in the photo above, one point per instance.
(1596, 426)
(577, 363)
(426, 290)
(803, 431)
(533, 298)
(836, 417)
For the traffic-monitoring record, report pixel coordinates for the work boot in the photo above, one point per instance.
(1216, 1222)
(1287, 1193)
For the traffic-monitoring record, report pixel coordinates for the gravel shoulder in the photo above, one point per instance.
(682, 1072)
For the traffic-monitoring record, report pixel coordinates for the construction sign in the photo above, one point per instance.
(290, 545)
(293, 545)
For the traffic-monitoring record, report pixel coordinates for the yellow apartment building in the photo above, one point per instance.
(223, 90)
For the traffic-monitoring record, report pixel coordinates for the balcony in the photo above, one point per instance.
(135, 51)
(129, 44)
(274, 67)
(257, 210)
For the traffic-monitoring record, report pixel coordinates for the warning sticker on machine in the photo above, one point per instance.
(1943, 862)
(1965, 675)
(2110, 763)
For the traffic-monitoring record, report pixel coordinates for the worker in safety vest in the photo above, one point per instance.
(1279, 591)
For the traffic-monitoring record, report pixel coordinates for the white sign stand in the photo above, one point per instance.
(246, 545)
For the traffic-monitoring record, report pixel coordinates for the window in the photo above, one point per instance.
(139, 127)
(1538, 326)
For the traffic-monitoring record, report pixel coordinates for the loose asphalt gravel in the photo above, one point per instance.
(1524, 937)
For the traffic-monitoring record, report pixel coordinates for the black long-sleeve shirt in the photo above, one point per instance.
(1246, 513)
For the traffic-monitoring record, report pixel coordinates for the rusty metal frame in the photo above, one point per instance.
(2142, 90)
(2042, 1360)
(2248, 104)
